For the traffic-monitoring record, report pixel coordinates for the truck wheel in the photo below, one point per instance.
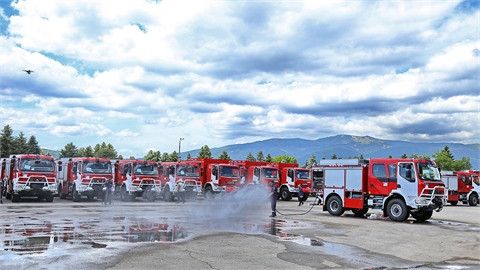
(422, 215)
(191, 196)
(397, 210)
(167, 194)
(75, 196)
(359, 212)
(209, 193)
(60, 191)
(123, 194)
(453, 203)
(49, 198)
(285, 194)
(8, 195)
(335, 206)
(473, 200)
(15, 198)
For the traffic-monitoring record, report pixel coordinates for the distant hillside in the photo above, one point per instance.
(344, 146)
(54, 153)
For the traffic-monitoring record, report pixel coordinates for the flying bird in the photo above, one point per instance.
(28, 71)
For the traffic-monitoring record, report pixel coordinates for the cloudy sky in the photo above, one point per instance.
(142, 74)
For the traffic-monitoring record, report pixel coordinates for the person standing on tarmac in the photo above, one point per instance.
(180, 192)
(300, 195)
(273, 198)
(108, 192)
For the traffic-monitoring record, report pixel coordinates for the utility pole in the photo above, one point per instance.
(179, 145)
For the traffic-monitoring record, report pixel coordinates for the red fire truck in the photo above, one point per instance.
(290, 177)
(187, 172)
(256, 172)
(29, 175)
(200, 176)
(463, 186)
(136, 178)
(83, 176)
(399, 187)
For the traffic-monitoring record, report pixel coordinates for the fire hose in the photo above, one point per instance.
(317, 201)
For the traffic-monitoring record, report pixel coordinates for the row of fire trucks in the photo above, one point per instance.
(400, 187)
(88, 177)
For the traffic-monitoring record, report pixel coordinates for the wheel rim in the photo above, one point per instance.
(396, 210)
(334, 205)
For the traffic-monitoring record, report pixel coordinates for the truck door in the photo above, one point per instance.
(407, 182)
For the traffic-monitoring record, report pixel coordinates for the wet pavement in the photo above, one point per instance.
(62, 233)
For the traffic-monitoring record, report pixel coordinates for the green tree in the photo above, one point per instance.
(268, 158)
(20, 144)
(165, 157)
(70, 150)
(6, 142)
(446, 149)
(120, 157)
(417, 156)
(131, 158)
(250, 157)
(334, 156)
(224, 155)
(260, 156)
(105, 151)
(443, 160)
(284, 159)
(189, 156)
(204, 152)
(404, 156)
(173, 156)
(312, 161)
(154, 156)
(33, 147)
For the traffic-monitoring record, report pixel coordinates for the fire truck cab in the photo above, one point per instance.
(136, 178)
(400, 187)
(256, 172)
(291, 176)
(83, 176)
(463, 186)
(185, 173)
(29, 175)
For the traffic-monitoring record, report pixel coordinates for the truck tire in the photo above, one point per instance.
(75, 196)
(167, 194)
(397, 210)
(123, 194)
(335, 206)
(49, 197)
(473, 200)
(285, 194)
(60, 191)
(454, 203)
(209, 194)
(191, 196)
(422, 215)
(15, 198)
(359, 212)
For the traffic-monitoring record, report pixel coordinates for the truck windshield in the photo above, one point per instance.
(270, 173)
(229, 171)
(428, 171)
(191, 171)
(97, 167)
(146, 169)
(303, 174)
(37, 165)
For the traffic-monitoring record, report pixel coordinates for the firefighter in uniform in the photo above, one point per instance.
(273, 198)
(108, 192)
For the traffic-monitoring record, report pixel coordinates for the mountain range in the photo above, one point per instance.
(343, 146)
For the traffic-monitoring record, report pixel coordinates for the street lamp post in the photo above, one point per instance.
(179, 144)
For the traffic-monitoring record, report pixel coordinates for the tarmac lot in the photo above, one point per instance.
(229, 233)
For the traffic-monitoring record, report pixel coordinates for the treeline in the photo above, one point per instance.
(20, 145)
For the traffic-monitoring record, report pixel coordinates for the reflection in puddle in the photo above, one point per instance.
(30, 237)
